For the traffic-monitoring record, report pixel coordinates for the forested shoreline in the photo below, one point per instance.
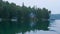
(10, 11)
(27, 18)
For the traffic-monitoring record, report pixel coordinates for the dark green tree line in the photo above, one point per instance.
(10, 11)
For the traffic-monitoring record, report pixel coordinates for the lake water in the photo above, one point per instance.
(54, 28)
(40, 27)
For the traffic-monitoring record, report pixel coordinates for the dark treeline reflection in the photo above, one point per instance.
(13, 28)
(14, 18)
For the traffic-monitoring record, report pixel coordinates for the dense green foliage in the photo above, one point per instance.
(22, 13)
(11, 10)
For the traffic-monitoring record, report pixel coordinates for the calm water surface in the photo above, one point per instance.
(54, 28)
(41, 27)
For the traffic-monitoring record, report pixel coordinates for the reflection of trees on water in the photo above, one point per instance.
(13, 28)
(23, 24)
(17, 18)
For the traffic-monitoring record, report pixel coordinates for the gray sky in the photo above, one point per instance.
(53, 5)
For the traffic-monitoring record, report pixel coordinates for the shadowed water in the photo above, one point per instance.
(54, 28)
(40, 27)
(23, 28)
